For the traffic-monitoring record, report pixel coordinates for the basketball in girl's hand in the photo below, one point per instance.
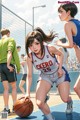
(23, 107)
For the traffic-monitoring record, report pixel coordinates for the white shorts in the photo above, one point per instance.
(53, 78)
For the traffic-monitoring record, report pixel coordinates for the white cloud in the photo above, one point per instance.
(26, 4)
(46, 18)
(52, 21)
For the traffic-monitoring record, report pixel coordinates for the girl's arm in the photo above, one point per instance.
(29, 75)
(68, 31)
(53, 50)
(59, 54)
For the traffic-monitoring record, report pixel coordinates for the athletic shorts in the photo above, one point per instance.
(53, 78)
(24, 77)
(6, 75)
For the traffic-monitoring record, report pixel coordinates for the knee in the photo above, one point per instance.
(65, 99)
(6, 88)
(39, 104)
(14, 88)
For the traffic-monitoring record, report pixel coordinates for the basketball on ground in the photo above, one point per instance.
(23, 107)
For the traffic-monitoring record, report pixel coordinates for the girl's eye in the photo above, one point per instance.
(37, 43)
(30, 45)
(61, 11)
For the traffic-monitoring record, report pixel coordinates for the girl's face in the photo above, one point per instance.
(63, 15)
(35, 47)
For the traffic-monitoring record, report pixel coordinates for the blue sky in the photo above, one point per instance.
(47, 17)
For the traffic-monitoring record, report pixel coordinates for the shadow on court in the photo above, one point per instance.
(57, 115)
(63, 116)
(58, 112)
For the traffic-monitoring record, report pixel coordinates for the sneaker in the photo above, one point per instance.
(69, 108)
(49, 118)
(13, 110)
(47, 98)
(8, 111)
(53, 118)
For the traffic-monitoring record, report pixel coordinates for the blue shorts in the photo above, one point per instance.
(53, 78)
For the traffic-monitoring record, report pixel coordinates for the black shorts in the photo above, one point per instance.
(24, 77)
(6, 75)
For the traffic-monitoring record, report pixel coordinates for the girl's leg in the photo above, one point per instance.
(43, 88)
(77, 86)
(64, 90)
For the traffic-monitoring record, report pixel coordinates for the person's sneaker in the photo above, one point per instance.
(8, 111)
(53, 118)
(47, 98)
(69, 108)
(13, 110)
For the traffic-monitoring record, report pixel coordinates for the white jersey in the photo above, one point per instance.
(47, 64)
(24, 68)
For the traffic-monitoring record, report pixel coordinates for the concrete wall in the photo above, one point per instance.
(73, 76)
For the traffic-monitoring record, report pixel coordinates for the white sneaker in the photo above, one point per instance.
(52, 119)
(69, 108)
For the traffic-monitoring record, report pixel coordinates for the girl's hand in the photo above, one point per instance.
(60, 73)
(75, 46)
(27, 96)
(11, 69)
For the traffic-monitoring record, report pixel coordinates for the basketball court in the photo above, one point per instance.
(58, 111)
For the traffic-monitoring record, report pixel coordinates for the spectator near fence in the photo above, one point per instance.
(24, 73)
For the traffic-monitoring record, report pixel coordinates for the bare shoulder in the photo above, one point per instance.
(51, 48)
(69, 24)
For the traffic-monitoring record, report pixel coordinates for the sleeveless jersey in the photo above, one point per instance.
(48, 64)
(76, 38)
(24, 68)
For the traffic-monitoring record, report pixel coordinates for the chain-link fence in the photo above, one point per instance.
(18, 26)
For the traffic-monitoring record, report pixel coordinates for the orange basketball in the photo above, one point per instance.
(23, 107)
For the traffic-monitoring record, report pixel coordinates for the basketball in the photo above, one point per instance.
(23, 107)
